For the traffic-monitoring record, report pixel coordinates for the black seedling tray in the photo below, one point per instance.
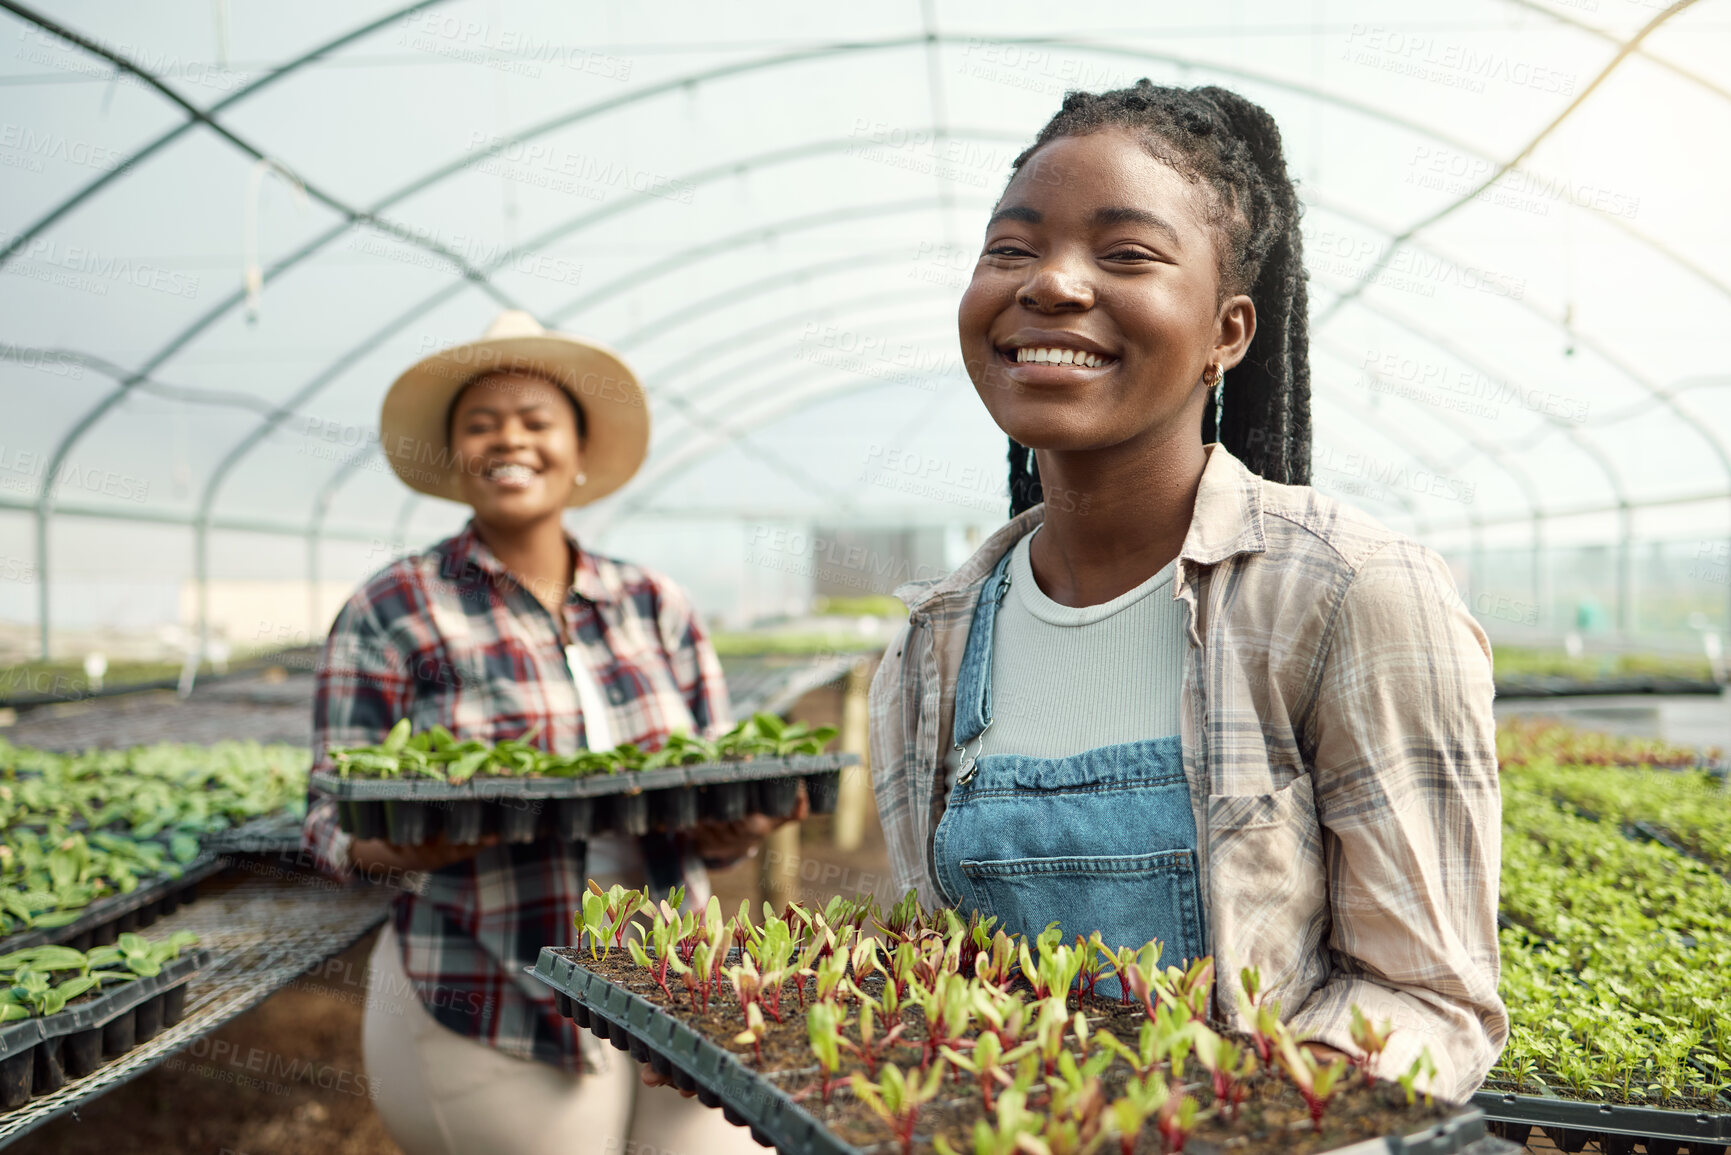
(269, 834)
(108, 918)
(409, 811)
(694, 1063)
(1572, 1124)
(39, 1056)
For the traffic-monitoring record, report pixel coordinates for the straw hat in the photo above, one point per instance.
(615, 413)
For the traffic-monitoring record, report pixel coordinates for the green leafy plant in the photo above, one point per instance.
(897, 1098)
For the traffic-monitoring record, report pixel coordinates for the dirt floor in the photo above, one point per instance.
(203, 1102)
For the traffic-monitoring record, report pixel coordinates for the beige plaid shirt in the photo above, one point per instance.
(1338, 740)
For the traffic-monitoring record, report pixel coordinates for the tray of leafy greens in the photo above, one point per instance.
(414, 787)
(64, 1012)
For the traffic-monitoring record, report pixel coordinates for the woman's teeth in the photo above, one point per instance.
(512, 475)
(1060, 357)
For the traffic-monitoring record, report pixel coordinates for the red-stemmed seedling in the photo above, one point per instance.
(948, 1012)
(1317, 1083)
(989, 1063)
(1370, 1039)
(896, 1099)
(1228, 1066)
(823, 1027)
(872, 1049)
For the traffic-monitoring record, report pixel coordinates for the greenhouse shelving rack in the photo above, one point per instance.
(107, 918)
(38, 1056)
(1611, 1125)
(632, 802)
(266, 930)
(694, 1063)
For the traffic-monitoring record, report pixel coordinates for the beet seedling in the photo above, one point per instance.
(830, 974)
(1423, 1067)
(1176, 1119)
(1005, 1135)
(823, 1027)
(949, 1013)
(1370, 1039)
(1129, 1113)
(989, 1063)
(896, 1099)
(995, 963)
(607, 913)
(1314, 1081)
(1227, 1064)
(754, 1031)
(872, 1048)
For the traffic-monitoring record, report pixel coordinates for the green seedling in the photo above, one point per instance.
(873, 1048)
(1315, 1082)
(897, 1098)
(1369, 1039)
(1423, 1067)
(1228, 1066)
(989, 1063)
(823, 1027)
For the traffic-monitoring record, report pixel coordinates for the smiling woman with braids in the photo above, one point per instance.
(1182, 695)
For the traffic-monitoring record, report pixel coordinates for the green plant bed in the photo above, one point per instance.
(1615, 975)
(81, 830)
(825, 1040)
(64, 1012)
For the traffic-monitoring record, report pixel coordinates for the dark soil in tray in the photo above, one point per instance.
(1273, 1119)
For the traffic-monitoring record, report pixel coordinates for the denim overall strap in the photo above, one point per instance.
(1102, 840)
(974, 681)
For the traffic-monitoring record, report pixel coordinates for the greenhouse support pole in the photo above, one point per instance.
(201, 579)
(312, 583)
(1626, 570)
(42, 577)
(1540, 584)
(851, 809)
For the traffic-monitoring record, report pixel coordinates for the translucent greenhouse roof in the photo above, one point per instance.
(1516, 231)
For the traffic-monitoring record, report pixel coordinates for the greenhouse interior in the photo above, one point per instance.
(397, 758)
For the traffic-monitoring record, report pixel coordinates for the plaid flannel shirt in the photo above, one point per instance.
(450, 638)
(1341, 754)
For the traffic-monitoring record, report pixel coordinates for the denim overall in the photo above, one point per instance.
(1102, 840)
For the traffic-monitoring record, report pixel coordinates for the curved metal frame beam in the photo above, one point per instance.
(198, 115)
(47, 220)
(756, 235)
(1668, 398)
(692, 79)
(1508, 166)
(771, 62)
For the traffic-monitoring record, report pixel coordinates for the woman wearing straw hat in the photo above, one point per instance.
(507, 630)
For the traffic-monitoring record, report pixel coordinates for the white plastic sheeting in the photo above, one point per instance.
(1515, 226)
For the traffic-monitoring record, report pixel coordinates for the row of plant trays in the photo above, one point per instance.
(1572, 1124)
(39, 1056)
(411, 811)
(108, 918)
(696, 1064)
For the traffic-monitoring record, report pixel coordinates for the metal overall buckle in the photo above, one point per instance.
(970, 762)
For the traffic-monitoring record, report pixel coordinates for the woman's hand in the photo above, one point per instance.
(652, 1078)
(727, 841)
(378, 859)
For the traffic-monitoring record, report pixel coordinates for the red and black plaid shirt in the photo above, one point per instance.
(450, 638)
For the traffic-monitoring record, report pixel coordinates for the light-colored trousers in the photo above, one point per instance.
(441, 1093)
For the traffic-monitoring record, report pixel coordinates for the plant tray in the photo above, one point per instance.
(39, 1056)
(634, 802)
(1572, 1123)
(694, 1063)
(107, 919)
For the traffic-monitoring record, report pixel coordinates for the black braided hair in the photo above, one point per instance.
(1217, 138)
